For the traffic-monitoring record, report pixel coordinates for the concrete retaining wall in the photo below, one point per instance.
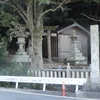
(85, 94)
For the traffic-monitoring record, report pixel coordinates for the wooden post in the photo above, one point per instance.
(49, 29)
(49, 44)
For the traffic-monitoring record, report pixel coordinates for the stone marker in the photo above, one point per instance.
(94, 30)
(91, 89)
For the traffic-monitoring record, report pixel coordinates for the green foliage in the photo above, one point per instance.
(35, 86)
(7, 84)
(12, 69)
(7, 18)
(30, 85)
(3, 46)
(16, 69)
(7, 15)
(2, 56)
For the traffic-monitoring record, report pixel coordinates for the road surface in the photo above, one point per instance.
(9, 94)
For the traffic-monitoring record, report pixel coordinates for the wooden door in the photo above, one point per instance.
(64, 47)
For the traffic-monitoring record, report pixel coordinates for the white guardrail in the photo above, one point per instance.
(43, 80)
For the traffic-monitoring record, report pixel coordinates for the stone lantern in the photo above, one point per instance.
(74, 41)
(76, 56)
(21, 35)
(21, 55)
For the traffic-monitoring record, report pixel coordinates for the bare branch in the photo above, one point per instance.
(19, 7)
(90, 17)
(5, 2)
(66, 2)
(97, 1)
(35, 10)
(59, 6)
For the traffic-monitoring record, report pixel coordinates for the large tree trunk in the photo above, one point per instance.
(35, 24)
(37, 61)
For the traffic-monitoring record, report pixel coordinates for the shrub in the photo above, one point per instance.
(3, 47)
(15, 69)
(2, 52)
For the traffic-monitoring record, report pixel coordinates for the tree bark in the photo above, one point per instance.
(36, 36)
(36, 60)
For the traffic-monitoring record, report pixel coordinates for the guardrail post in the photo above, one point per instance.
(76, 89)
(44, 86)
(16, 87)
(68, 70)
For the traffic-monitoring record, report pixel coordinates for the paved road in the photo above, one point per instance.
(11, 94)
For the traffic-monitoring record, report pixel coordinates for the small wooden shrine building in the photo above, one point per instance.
(60, 42)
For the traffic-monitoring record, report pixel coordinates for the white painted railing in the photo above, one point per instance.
(61, 73)
(80, 73)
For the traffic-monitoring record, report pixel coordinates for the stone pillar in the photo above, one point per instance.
(94, 53)
(49, 45)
